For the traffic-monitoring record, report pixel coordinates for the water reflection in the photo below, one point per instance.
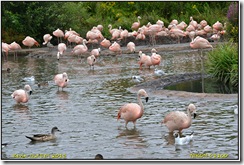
(20, 108)
(63, 95)
(133, 137)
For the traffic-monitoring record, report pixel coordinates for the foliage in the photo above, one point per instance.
(223, 63)
(36, 18)
(232, 26)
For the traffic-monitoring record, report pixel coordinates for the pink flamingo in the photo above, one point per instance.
(131, 46)
(79, 49)
(181, 25)
(144, 59)
(105, 43)
(29, 42)
(153, 30)
(91, 60)
(136, 25)
(193, 23)
(96, 52)
(178, 120)
(15, 47)
(100, 28)
(5, 49)
(130, 112)
(59, 34)
(22, 96)
(204, 23)
(47, 38)
(218, 26)
(115, 47)
(140, 35)
(61, 49)
(207, 29)
(61, 80)
(190, 28)
(200, 43)
(177, 32)
(155, 58)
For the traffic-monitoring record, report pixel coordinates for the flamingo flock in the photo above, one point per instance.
(198, 34)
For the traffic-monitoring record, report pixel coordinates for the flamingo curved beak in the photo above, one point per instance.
(30, 92)
(194, 115)
(146, 99)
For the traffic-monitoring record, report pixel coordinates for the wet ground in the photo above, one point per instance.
(86, 110)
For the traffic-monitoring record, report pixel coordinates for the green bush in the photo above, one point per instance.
(222, 63)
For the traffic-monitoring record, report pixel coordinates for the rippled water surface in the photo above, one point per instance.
(86, 111)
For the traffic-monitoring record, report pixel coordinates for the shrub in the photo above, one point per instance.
(222, 63)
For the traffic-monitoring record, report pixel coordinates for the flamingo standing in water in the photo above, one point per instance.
(91, 60)
(79, 49)
(15, 47)
(115, 47)
(155, 58)
(131, 46)
(178, 120)
(96, 52)
(136, 25)
(61, 80)
(105, 43)
(59, 34)
(29, 42)
(5, 49)
(144, 59)
(22, 95)
(130, 112)
(61, 49)
(47, 38)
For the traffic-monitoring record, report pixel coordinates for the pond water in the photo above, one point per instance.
(203, 85)
(86, 111)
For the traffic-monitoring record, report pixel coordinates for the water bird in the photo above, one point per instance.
(158, 72)
(5, 49)
(15, 47)
(61, 80)
(91, 60)
(98, 157)
(137, 79)
(29, 79)
(4, 144)
(22, 95)
(130, 112)
(178, 120)
(50, 46)
(44, 137)
(236, 109)
(47, 38)
(29, 42)
(136, 25)
(183, 140)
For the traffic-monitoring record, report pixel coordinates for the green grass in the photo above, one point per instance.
(222, 63)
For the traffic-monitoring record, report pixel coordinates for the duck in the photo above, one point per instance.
(137, 79)
(158, 72)
(183, 140)
(44, 137)
(236, 109)
(32, 78)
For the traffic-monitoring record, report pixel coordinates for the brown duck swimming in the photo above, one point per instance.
(44, 137)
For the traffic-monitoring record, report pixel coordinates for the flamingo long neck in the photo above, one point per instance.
(140, 103)
(189, 118)
(138, 20)
(84, 44)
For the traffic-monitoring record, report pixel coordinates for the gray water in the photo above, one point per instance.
(86, 112)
